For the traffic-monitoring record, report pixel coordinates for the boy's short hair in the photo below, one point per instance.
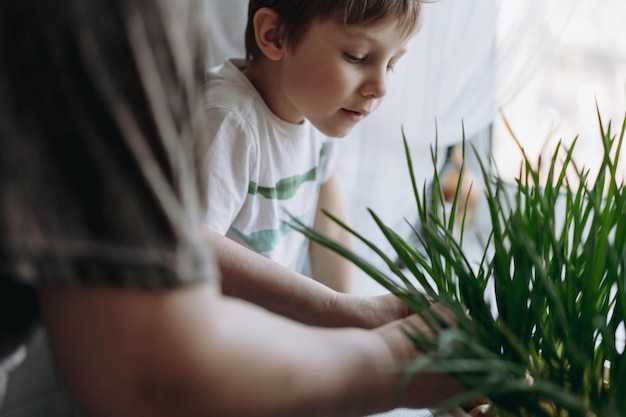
(297, 15)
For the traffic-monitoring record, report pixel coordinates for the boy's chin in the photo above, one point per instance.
(336, 133)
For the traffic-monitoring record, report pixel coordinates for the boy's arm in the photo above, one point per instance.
(327, 267)
(190, 352)
(254, 278)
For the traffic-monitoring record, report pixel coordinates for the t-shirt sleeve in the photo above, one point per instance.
(101, 179)
(230, 163)
(101, 110)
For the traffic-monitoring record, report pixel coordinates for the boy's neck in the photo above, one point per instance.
(264, 75)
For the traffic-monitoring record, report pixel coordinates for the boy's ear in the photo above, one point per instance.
(268, 33)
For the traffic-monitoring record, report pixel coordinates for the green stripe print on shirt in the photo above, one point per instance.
(265, 240)
(286, 188)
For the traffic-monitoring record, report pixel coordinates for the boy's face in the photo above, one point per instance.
(337, 75)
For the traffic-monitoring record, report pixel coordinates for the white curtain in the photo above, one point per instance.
(469, 58)
(528, 32)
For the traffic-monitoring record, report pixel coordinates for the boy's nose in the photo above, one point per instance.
(375, 86)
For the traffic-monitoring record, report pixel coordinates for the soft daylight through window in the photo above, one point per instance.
(588, 65)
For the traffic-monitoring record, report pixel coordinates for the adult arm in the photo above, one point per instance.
(328, 267)
(254, 278)
(191, 352)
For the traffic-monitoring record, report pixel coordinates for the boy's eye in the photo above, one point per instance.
(353, 59)
(391, 65)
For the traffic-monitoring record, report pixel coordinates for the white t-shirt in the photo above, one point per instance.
(261, 169)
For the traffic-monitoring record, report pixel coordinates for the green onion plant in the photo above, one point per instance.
(540, 316)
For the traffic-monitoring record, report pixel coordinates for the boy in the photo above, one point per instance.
(313, 69)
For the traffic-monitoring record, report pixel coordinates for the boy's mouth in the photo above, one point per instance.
(355, 114)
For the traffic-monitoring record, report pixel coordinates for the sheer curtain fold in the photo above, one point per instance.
(442, 89)
(528, 32)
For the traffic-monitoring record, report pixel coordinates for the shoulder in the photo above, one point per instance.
(228, 89)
